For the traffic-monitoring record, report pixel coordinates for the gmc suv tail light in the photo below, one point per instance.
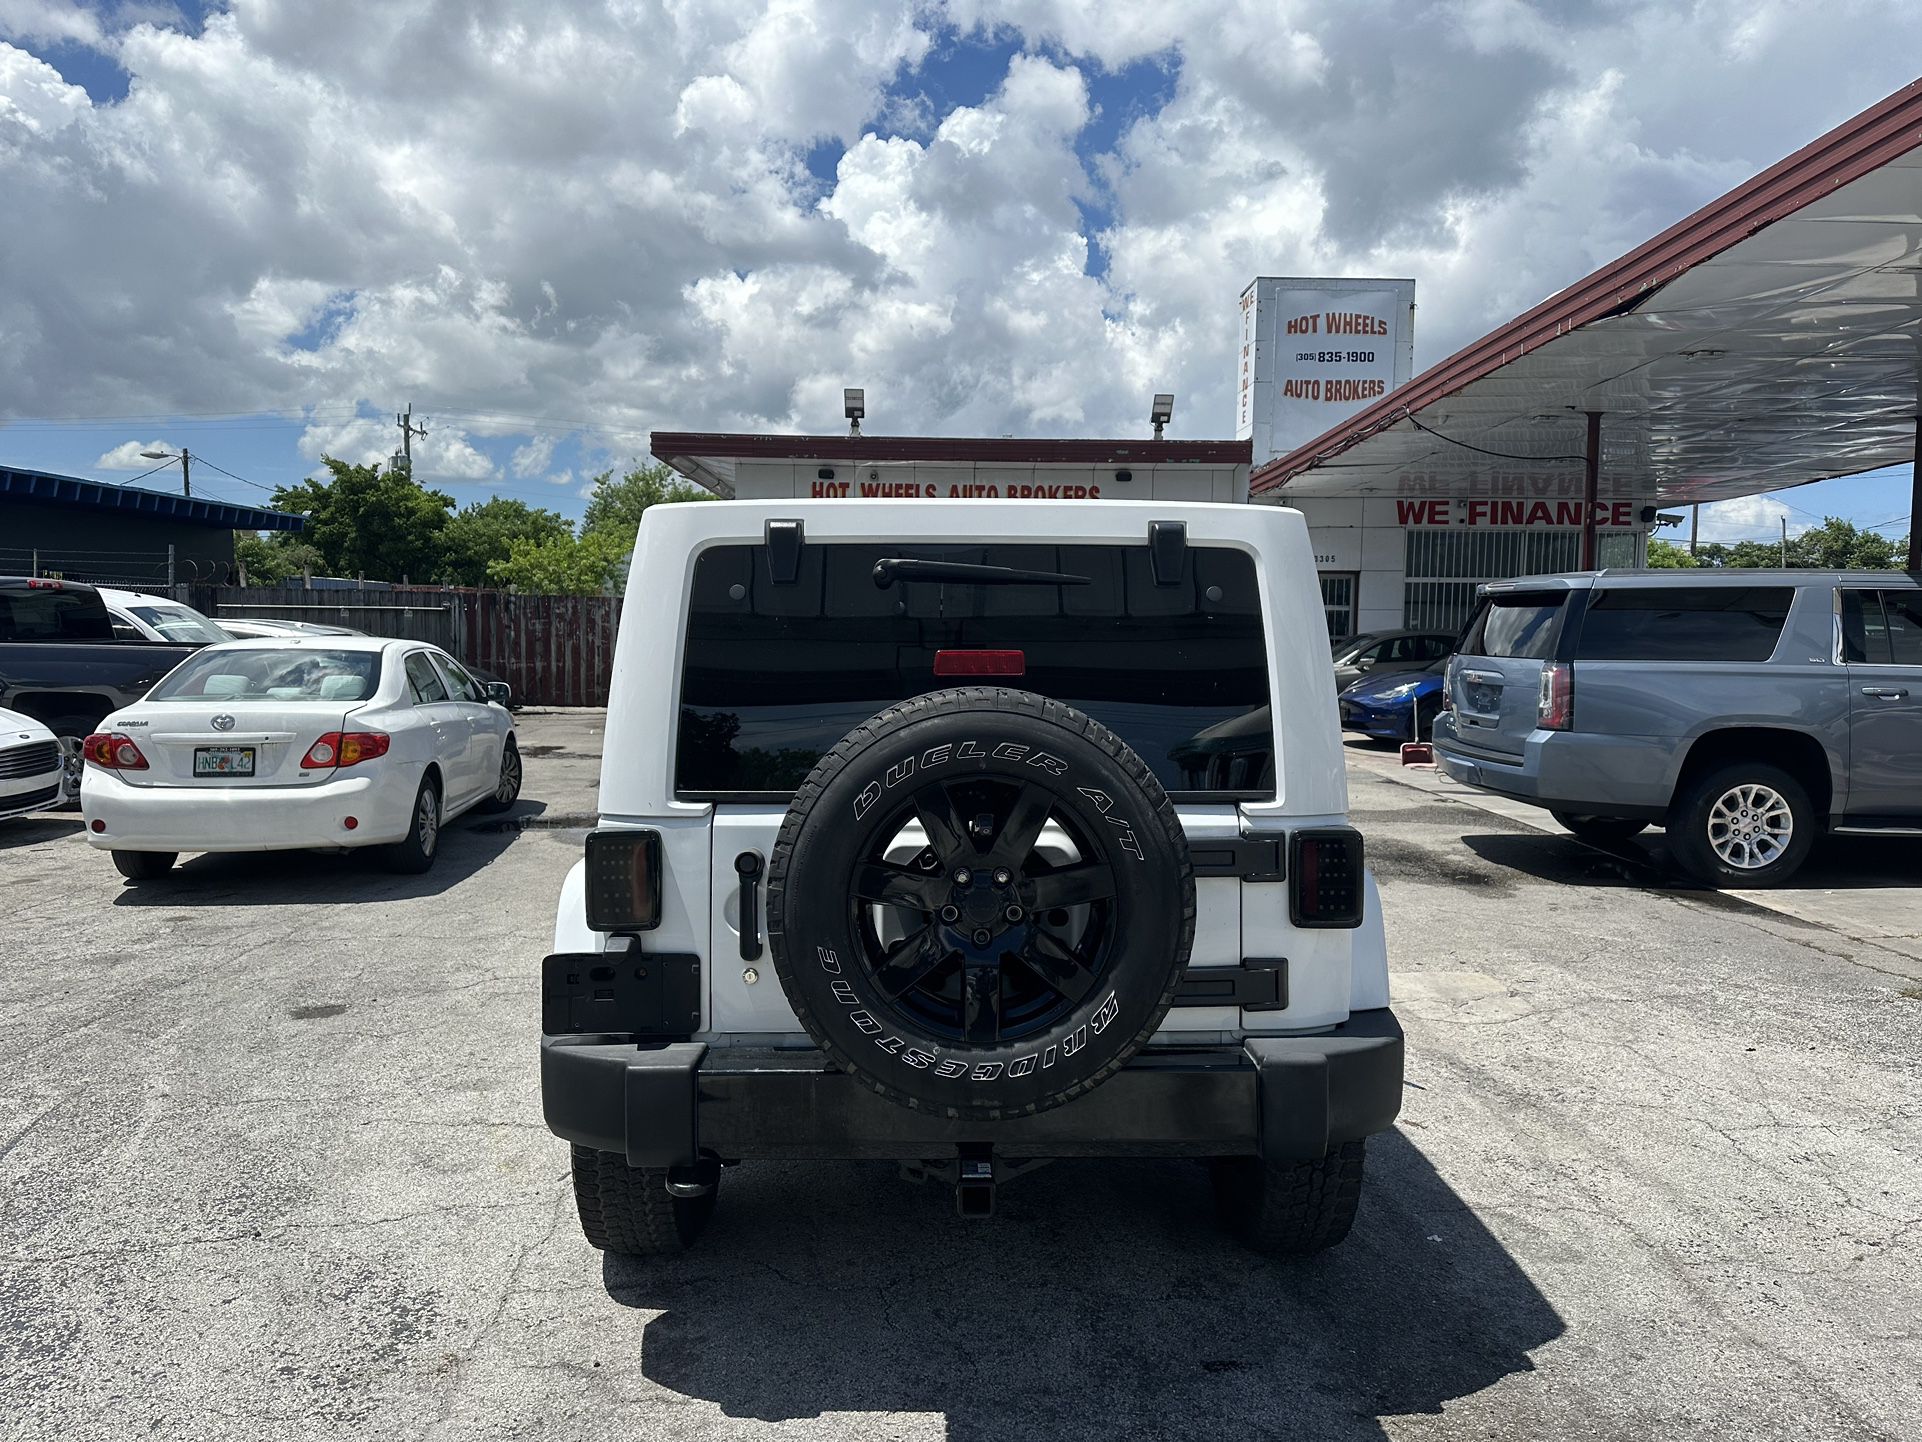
(1325, 884)
(1557, 709)
(113, 751)
(623, 880)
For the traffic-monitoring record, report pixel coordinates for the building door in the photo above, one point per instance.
(1338, 601)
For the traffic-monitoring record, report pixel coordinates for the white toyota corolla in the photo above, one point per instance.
(329, 741)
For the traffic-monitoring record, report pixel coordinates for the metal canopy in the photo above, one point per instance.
(1770, 339)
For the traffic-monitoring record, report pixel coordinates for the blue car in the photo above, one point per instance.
(1396, 705)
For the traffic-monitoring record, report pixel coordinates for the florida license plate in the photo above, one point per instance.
(223, 761)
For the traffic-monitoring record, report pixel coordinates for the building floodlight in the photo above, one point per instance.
(854, 406)
(1162, 411)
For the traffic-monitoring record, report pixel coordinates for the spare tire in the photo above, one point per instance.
(980, 903)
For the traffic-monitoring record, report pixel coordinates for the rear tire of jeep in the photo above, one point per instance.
(1744, 811)
(980, 903)
(629, 1209)
(1290, 1208)
(1602, 830)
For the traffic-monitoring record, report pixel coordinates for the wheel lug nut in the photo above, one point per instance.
(1003, 876)
(983, 937)
(1013, 913)
(950, 913)
(963, 877)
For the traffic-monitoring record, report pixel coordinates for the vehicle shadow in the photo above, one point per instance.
(1837, 863)
(326, 878)
(1101, 1301)
(41, 826)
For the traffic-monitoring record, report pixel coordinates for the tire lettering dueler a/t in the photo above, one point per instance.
(980, 903)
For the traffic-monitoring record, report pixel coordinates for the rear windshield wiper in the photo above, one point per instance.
(902, 568)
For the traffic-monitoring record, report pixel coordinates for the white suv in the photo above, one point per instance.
(970, 834)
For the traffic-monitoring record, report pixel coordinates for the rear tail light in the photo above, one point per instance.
(1557, 710)
(980, 663)
(1325, 885)
(113, 751)
(623, 880)
(345, 748)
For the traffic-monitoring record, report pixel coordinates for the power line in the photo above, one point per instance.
(1482, 451)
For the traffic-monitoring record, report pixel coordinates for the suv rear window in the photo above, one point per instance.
(1518, 624)
(43, 613)
(775, 675)
(1683, 623)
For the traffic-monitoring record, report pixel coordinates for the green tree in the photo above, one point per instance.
(1666, 555)
(368, 522)
(563, 565)
(484, 532)
(1838, 545)
(271, 559)
(617, 504)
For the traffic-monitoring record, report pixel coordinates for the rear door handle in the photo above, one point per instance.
(1885, 693)
(748, 867)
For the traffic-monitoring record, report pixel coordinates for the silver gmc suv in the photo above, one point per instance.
(1746, 711)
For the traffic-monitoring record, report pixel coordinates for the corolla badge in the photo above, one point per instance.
(223, 722)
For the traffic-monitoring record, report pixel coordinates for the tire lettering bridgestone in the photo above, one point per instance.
(951, 1068)
(844, 994)
(1110, 1009)
(865, 1023)
(829, 961)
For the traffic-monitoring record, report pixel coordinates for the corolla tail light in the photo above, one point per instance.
(113, 751)
(623, 880)
(345, 748)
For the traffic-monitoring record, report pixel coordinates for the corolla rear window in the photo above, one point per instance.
(1520, 624)
(777, 674)
(272, 675)
(181, 623)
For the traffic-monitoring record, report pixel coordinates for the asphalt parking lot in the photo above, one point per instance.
(273, 1166)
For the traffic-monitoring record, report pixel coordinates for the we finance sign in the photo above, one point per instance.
(1517, 512)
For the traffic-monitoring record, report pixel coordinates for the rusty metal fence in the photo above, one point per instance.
(553, 650)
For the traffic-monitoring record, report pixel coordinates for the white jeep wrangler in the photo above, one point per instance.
(970, 834)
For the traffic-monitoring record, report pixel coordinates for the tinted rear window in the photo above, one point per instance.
(1684, 623)
(1521, 624)
(776, 675)
(46, 614)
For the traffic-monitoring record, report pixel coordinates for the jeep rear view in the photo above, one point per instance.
(970, 835)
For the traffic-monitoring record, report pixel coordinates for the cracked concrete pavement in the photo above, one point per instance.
(273, 1167)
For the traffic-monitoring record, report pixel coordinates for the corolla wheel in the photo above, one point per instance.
(980, 903)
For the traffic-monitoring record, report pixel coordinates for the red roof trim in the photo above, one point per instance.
(1882, 133)
(667, 445)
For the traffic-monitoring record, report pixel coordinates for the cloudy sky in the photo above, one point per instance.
(258, 229)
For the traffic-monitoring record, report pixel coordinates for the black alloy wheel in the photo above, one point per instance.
(995, 942)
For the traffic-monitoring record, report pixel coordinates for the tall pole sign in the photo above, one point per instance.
(1314, 352)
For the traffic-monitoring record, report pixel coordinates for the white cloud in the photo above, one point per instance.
(1746, 518)
(602, 212)
(127, 456)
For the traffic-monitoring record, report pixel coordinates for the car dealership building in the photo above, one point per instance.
(1770, 339)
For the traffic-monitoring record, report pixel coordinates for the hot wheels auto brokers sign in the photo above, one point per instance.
(957, 490)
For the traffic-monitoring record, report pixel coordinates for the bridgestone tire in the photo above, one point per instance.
(1689, 837)
(1290, 1208)
(629, 1209)
(965, 747)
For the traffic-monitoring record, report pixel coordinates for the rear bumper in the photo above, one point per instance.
(244, 818)
(1578, 771)
(665, 1104)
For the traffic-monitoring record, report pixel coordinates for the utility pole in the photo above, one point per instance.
(186, 472)
(1785, 543)
(1694, 527)
(408, 430)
